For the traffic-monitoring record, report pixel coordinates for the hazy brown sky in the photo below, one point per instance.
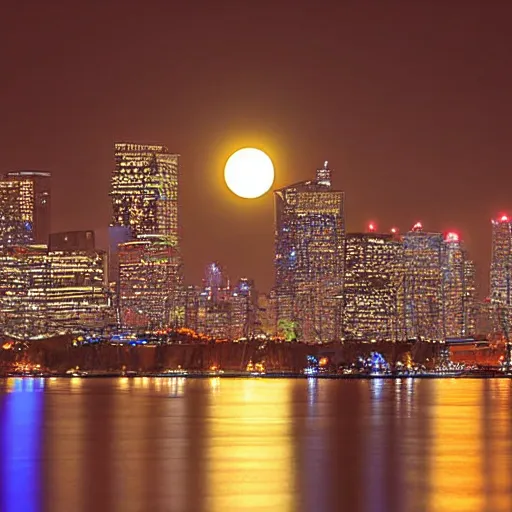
(409, 101)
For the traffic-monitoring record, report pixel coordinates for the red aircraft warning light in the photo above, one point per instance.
(371, 227)
(417, 227)
(452, 237)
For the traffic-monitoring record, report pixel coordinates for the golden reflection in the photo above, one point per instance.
(130, 414)
(215, 384)
(172, 462)
(176, 386)
(249, 448)
(11, 382)
(65, 445)
(76, 382)
(470, 447)
(497, 463)
(123, 383)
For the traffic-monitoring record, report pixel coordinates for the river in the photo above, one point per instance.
(151, 445)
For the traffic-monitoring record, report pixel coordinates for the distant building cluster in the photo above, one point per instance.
(330, 285)
(220, 311)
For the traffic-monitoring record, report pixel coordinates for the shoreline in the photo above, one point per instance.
(245, 375)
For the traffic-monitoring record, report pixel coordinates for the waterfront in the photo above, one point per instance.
(175, 444)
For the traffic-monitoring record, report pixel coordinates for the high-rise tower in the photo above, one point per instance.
(458, 289)
(309, 238)
(501, 274)
(372, 287)
(423, 284)
(439, 286)
(144, 194)
(25, 199)
(144, 190)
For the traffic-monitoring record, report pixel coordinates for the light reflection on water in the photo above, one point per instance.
(255, 444)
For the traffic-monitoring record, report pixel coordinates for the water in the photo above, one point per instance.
(153, 445)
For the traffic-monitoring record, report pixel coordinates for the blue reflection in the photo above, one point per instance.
(21, 430)
(375, 449)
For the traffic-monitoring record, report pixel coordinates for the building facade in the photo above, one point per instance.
(144, 191)
(309, 238)
(439, 286)
(459, 289)
(373, 288)
(77, 297)
(24, 282)
(25, 200)
(56, 289)
(423, 284)
(149, 283)
(501, 276)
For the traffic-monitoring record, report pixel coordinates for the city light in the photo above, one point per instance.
(452, 237)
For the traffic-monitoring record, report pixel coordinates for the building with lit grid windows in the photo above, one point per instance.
(501, 275)
(439, 286)
(372, 287)
(55, 289)
(25, 208)
(144, 190)
(144, 193)
(459, 289)
(149, 282)
(309, 238)
(423, 284)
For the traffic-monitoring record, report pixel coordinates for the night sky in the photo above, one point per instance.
(409, 101)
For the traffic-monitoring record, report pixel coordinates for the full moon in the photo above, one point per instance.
(249, 173)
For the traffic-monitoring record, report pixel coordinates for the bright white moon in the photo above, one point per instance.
(249, 173)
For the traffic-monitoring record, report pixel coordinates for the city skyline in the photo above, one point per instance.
(413, 132)
(175, 208)
(256, 255)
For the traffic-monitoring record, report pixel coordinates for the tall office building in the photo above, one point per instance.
(372, 288)
(423, 284)
(459, 289)
(144, 190)
(501, 275)
(439, 286)
(25, 200)
(309, 238)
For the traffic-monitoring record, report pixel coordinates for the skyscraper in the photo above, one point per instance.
(439, 286)
(501, 275)
(423, 284)
(25, 200)
(459, 289)
(309, 237)
(372, 287)
(144, 190)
